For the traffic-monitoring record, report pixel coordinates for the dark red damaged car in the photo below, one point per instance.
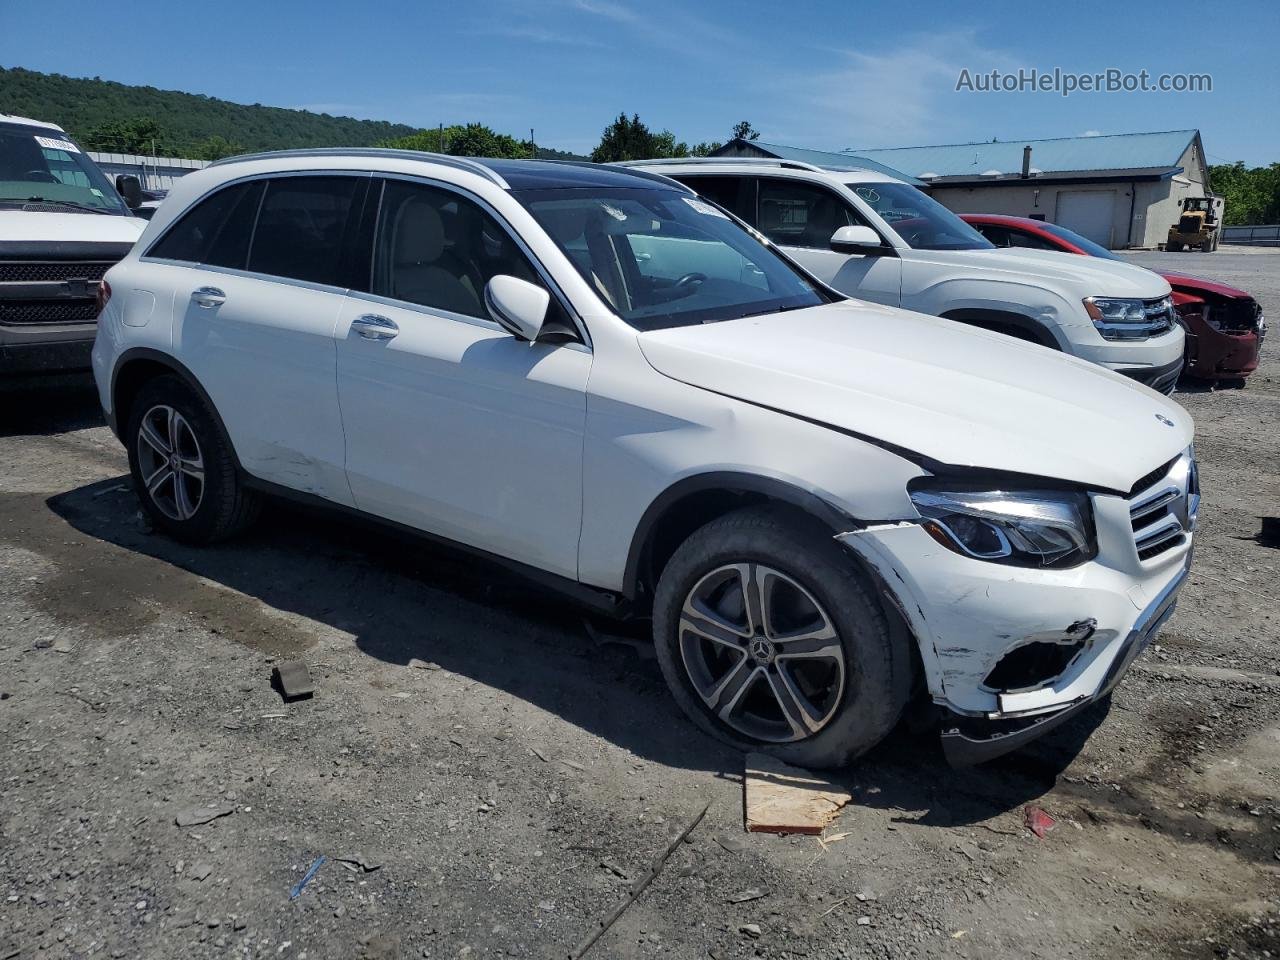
(1224, 325)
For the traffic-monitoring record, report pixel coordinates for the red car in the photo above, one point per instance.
(1224, 325)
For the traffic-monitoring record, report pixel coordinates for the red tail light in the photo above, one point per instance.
(103, 296)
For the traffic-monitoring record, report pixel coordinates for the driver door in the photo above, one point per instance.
(453, 426)
(800, 217)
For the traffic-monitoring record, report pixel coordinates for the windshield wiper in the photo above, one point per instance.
(62, 203)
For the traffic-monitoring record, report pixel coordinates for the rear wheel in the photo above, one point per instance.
(1173, 246)
(1206, 245)
(771, 639)
(183, 468)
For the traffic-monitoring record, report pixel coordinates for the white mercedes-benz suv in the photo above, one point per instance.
(876, 238)
(595, 376)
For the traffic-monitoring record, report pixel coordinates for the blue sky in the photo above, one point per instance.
(828, 75)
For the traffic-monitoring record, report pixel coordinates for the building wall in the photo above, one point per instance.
(156, 173)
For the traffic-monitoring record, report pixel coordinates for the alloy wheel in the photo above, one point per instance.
(762, 653)
(170, 462)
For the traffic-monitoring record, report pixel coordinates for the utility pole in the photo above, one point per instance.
(533, 145)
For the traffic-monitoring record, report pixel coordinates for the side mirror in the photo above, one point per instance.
(519, 307)
(130, 187)
(859, 239)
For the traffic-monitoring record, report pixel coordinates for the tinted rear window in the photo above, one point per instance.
(301, 226)
(216, 231)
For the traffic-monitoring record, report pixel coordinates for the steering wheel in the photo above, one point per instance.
(41, 176)
(690, 278)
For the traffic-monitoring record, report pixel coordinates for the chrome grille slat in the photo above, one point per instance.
(1160, 508)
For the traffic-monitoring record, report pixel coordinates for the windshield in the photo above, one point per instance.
(661, 258)
(922, 222)
(1084, 243)
(45, 167)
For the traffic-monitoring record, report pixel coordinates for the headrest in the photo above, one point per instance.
(419, 234)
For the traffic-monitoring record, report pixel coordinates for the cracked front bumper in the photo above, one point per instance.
(967, 614)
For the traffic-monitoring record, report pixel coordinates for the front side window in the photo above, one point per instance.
(793, 213)
(437, 248)
(43, 166)
(922, 222)
(661, 258)
(216, 231)
(302, 223)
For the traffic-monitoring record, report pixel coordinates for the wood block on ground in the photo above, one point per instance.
(293, 680)
(783, 799)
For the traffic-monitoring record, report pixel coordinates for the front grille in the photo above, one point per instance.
(48, 311)
(1162, 511)
(1146, 482)
(1160, 315)
(1188, 224)
(36, 271)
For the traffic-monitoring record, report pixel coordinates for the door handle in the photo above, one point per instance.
(371, 326)
(207, 297)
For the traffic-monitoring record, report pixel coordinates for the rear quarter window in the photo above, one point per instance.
(216, 230)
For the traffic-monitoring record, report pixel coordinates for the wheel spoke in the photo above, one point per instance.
(753, 597)
(182, 498)
(193, 468)
(726, 694)
(175, 423)
(157, 479)
(816, 644)
(152, 436)
(697, 619)
(796, 709)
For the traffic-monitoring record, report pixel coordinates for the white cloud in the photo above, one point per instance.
(898, 95)
(1092, 133)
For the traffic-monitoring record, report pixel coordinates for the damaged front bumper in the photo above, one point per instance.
(968, 616)
(963, 749)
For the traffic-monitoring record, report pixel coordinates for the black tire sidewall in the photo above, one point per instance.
(878, 665)
(219, 482)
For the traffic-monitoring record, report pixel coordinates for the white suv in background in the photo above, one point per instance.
(597, 377)
(876, 238)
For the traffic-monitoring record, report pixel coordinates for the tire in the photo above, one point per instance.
(1173, 246)
(854, 702)
(203, 500)
(1207, 246)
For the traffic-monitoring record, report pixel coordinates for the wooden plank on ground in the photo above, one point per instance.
(783, 799)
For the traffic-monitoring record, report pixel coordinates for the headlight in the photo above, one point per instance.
(1031, 528)
(1125, 319)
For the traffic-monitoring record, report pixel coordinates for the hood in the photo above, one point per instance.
(950, 393)
(1095, 276)
(1199, 285)
(40, 227)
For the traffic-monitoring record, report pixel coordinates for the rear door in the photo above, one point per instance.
(258, 275)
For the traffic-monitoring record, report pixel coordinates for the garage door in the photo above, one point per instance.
(1088, 212)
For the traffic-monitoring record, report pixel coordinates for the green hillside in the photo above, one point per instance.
(185, 122)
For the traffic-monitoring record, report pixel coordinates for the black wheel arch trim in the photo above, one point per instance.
(183, 373)
(977, 316)
(729, 482)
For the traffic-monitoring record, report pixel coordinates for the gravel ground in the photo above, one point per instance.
(502, 775)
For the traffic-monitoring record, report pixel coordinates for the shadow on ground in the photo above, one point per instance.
(31, 406)
(401, 599)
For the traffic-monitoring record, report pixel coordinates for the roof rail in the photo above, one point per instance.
(657, 177)
(458, 163)
(753, 161)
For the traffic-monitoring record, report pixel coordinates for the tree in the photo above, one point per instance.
(470, 140)
(217, 147)
(140, 135)
(704, 149)
(1252, 194)
(743, 130)
(629, 139)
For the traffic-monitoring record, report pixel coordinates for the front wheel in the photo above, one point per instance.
(771, 639)
(183, 468)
